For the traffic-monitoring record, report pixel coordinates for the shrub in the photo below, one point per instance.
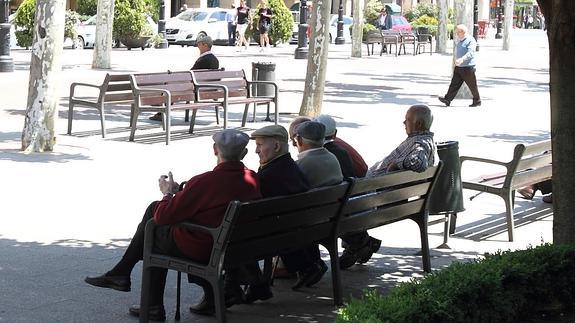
(282, 23)
(128, 19)
(371, 11)
(367, 27)
(503, 287)
(87, 7)
(25, 17)
(152, 7)
(426, 21)
(422, 9)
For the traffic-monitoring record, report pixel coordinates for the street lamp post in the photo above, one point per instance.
(498, 35)
(301, 50)
(475, 23)
(339, 40)
(162, 26)
(6, 62)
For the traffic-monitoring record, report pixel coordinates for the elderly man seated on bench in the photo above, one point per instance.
(417, 152)
(203, 200)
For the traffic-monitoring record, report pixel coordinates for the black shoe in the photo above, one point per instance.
(444, 101)
(257, 292)
(155, 312)
(365, 253)
(207, 305)
(318, 275)
(121, 283)
(475, 104)
(156, 117)
(348, 258)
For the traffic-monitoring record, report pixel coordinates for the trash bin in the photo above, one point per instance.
(263, 71)
(447, 195)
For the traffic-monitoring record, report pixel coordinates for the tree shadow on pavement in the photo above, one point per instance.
(533, 136)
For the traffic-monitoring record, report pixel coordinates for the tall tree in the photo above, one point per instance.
(42, 107)
(316, 60)
(103, 43)
(357, 29)
(441, 40)
(560, 22)
(508, 24)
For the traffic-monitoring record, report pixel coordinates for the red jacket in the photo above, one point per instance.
(359, 165)
(204, 201)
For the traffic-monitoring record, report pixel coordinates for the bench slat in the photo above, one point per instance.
(391, 179)
(531, 177)
(119, 87)
(384, 198)
(537, 148)
(377, 217)
(534, 162)
(207, 75)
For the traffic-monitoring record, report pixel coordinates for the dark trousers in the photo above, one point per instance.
(463, 74)
(163, 243)
(231, 34)
(355, 240)
(301, 259)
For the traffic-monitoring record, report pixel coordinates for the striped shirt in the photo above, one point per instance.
(416, 153)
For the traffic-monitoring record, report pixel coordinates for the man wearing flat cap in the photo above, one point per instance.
(207, 60)
(203, 200)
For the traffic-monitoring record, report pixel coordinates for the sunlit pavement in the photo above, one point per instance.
(71, 213)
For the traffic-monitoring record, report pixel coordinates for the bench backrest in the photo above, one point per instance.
(179, 84)
(530, 164)
(374, 36)
(265, 227)
(390, 36)
(115, 88)
(385, 199)
(235, 81)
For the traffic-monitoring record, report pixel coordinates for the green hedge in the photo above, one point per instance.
(502, 287)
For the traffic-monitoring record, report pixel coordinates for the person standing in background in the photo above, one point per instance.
(242, 23)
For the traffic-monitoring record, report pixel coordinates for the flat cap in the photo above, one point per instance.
(276, 131)
(311, 130)
(206, 40)
(232, 142)
(329, 124)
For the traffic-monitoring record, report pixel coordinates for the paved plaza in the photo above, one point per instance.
(71, 213)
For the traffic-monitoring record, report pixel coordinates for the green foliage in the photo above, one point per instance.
(128, 19)
(371, 11)
(282, 23)
(367, 27)
(71, 22)
(503, 287)
(24, 19)
(152, 7)
(425, 21)
(87, 7)
(422, 9)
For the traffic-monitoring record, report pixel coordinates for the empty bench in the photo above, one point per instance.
(257, 230)
(236, 90)
(530, 164)
(165, 92)
(115, 88)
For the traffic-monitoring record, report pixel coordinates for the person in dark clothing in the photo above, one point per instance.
(280, 175)
(345, 162)
(264, 24)
(206, 61)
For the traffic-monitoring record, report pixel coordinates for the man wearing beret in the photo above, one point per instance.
(203, 200)
(320, 168)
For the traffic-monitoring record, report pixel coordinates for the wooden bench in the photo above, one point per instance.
(407, 37)
(373, 37)
(422, 41)
(257, 230)
(115, 88)
(236, 90)
(530, 164)
(165, 92)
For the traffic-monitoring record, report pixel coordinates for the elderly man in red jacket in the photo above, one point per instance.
(203, 201)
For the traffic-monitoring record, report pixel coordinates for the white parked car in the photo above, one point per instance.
(87, 31)
(189, 25)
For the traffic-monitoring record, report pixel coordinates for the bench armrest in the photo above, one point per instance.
(151, 225)
(75, 84)
(168, 96)
(481, 160)
(265, 82)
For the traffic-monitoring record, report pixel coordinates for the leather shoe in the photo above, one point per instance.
(318, 275)
(207, 305)
(527, 192)
(156, 117)
(155, 312)
(475, 104)
(257, 292)
(444, 101)
(310, 276)
(548, 198)
(120, 283)
(365, 253)
(348, 258)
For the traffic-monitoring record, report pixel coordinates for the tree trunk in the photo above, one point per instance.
(463, 16)
(42, 107)
(317, 59)
(442, 34)
(103, 44)
(560, 22)
(357, 29)
(508, 24)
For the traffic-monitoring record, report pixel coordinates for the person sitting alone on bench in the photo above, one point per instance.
(203, 200)
(417, 152)
(206, 61)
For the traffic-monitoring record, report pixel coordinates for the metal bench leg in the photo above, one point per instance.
(178, 293)
(245, 117)
(187, 115)
(134, 121)
(145, 293)
(217, 110)
(193, 121)
(218, 288)
(335, 272)
(168, 120)
(509, 214)
(103, 121)
(70, 116)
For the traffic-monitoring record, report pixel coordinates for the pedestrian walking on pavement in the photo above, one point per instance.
(231, 19)
(464, 70)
